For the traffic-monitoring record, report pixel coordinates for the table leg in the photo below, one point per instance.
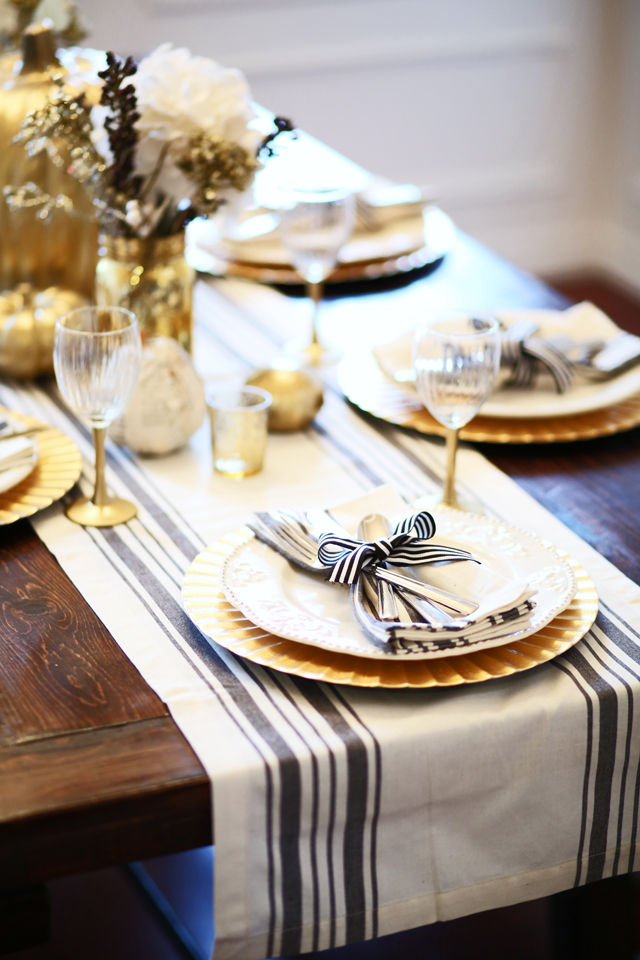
(24, 918)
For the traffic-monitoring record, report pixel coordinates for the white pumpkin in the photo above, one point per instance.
(168, 405)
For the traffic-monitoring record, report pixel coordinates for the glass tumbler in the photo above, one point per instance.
(238, 430)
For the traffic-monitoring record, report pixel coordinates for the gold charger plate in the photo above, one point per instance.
(59, 466)
(438, 237)
(365, 385)
(218, 619)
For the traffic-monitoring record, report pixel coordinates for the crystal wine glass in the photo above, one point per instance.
(314, 225)
(456, 357)
(96, 357)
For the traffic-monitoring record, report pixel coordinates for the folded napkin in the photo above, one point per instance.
(15, 452)
(504, 604)
(580, 341)
(384, 202)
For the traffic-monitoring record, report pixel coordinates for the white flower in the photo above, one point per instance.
(179, 96)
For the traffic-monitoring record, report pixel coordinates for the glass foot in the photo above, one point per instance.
(462, 503)
(89, 514)
(311, 354)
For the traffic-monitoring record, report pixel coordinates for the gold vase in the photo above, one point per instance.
(151, 277)
(62, 252)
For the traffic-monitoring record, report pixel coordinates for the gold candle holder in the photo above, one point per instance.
(238, 430)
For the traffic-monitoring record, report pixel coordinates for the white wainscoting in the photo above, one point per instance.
(497, 105)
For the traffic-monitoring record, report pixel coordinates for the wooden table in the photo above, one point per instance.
(93, 771)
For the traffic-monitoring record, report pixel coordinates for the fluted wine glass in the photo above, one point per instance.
(96, 358)
(456, 357)
(314, 226)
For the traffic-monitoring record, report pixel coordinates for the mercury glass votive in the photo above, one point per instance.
(238, 430)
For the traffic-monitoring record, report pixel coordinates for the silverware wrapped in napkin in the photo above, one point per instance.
(581, 342)
(445, 597)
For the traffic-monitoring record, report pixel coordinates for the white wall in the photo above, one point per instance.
(522, 114)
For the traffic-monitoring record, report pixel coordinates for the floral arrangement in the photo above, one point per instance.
(173, 138)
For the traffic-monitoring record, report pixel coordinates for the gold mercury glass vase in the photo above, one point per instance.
(151, 277)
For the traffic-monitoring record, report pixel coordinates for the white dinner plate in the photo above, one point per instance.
(582, 321)
(291, 603)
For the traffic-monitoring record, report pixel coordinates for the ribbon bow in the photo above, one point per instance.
(520, 350)
(349, 556)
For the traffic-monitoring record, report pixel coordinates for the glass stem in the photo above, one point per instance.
(314, 292)
(100, 496)
(449, 498)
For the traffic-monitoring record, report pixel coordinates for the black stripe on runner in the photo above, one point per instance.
(288, 765)
(357, 787)
(632, 650)
(268, 777)
(349, 454)
(587, 768)
(607, 742)
(291, 939)
(377, 752)
(393, 437)
(627, 746)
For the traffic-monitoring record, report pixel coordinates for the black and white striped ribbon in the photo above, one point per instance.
(349, 556)
(522, 353)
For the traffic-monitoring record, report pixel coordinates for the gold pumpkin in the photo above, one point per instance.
(27, 323)
(64, 251)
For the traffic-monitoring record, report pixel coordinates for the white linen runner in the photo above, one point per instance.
(342, 814)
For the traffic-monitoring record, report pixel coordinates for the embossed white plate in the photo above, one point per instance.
(291, 603)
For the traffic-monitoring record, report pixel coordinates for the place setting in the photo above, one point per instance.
(565, 375)
(489, 601)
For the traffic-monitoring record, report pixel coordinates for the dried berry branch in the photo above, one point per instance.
(282, 125)
(120, 125)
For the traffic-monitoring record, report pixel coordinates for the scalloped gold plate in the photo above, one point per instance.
(209, 609)
(365, 385)
(59, 466)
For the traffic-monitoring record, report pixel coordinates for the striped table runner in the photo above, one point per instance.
(344, 814)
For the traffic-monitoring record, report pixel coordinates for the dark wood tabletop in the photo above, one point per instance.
(93, 771)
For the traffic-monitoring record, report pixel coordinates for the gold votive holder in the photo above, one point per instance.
(238, 430)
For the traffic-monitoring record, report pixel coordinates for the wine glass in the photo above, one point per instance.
(96, 358)
(456, 356)
(314, 225)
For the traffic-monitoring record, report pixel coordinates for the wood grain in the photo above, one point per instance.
(93, 770)
(98, 798)
(592, 487)
(60, 669)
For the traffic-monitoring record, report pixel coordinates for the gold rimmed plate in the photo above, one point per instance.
(218, 619)
(365, 385)
(59, 466)
(413, 251)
